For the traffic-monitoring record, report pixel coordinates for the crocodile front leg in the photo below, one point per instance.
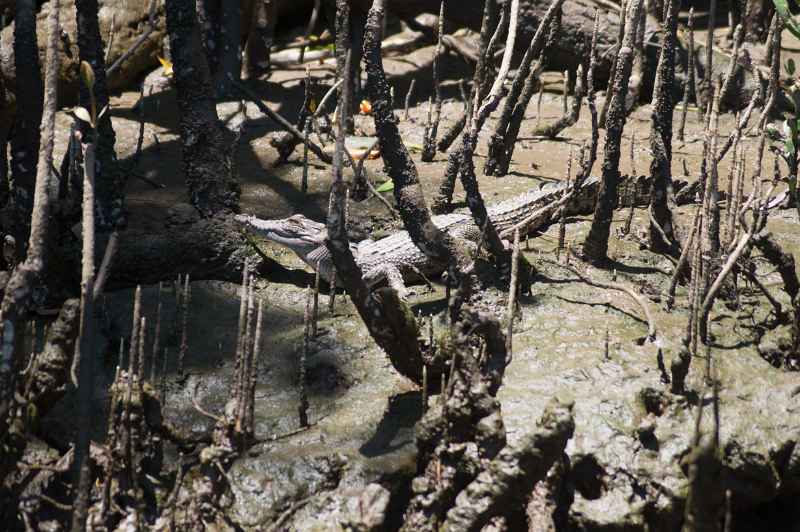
(393, 278)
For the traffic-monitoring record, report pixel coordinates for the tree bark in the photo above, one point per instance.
(230, 51)
(661, 138)
(595, 247)
(208, 146)
(25, 132)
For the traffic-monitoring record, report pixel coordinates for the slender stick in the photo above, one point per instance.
(315, 313)
(84, 356)
(186, 300)
(683, 259)
(303, 407)
(409, 95)
(306, 133)
(689, 83)
(512, 294)
(156, 335)
(285, 124)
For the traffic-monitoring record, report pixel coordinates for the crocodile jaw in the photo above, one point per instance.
(296, 232)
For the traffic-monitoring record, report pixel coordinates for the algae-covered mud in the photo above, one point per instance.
(197, 373)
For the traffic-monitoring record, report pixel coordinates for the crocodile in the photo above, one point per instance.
(396, 260)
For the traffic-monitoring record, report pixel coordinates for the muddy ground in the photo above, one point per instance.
(631, 433)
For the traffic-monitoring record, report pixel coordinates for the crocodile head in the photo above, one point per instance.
(298, 233)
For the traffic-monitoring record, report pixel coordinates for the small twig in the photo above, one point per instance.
(200, 409)
(285, 124)
(409, 95)
(151, 25)
(651, 327)
(512, 295)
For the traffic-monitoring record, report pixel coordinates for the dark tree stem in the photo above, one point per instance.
(207, 145)
(25, 133)
(230, 53)
(399, 165)
(522, 89)
(595, 247)
(661, 195)
(431, 131)
(689, 84)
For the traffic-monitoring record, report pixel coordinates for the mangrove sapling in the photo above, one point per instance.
(84, 355)
(302, 408)
(512, 294)
(571, 116)
(109, 193)
(480, 83)
(626, 228)
(432, 127)
(623, 20)
(518, 98)
(662, 201)
(711, 215)
(595, 247)
(759, 221)
(18, 292)
(186, 300)
(24, 138)
(208, 146)
(467, 171)
(386, 316)
(689, 83)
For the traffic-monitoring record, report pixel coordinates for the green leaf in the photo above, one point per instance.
(790, 66)
(782, 9)
(387, 186)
